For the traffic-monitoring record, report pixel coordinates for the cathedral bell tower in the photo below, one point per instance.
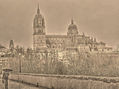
(39, 40)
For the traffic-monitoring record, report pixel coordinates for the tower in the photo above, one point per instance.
(72, 29)
(39, 40)
(11, 45)
(72, 33)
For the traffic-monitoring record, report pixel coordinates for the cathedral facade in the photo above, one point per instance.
(72, 40)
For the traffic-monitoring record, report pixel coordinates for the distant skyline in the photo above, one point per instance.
(96, 18)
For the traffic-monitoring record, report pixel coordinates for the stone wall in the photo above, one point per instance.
(67, 81)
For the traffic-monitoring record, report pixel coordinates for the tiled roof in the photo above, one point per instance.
(56, 36)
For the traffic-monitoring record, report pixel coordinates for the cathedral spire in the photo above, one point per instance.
(38, 10)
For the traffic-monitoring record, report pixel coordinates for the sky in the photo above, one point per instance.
(96, 18)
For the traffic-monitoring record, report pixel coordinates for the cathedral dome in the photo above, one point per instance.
(72, 25)
(72, 29)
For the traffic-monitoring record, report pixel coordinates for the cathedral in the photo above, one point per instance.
(71, 41)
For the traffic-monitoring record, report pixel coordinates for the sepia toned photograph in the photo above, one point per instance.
(59, 44)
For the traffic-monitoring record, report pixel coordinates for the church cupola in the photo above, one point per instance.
(72, 29)
(39, 23)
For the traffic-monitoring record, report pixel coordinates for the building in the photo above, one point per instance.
(71, 41)
(11, 45)
(3, 50)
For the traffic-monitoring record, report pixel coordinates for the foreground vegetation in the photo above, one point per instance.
(98, 64)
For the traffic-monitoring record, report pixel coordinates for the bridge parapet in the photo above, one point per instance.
(68, 81)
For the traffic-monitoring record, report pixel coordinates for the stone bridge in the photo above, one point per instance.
(49, 81)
